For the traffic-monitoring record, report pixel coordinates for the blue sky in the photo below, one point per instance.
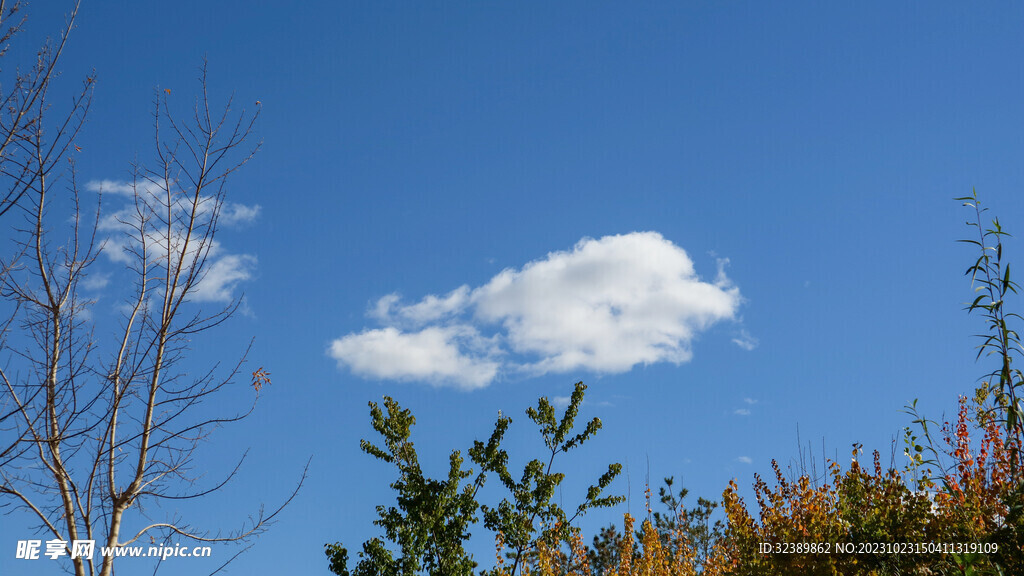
(731, 220)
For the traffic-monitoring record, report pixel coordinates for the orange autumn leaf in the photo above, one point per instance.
(259, 378)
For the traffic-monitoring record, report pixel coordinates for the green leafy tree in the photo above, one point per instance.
(430, 521)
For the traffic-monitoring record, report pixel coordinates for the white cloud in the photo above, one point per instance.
(604, 306)
(561, 401)
(234, 214)
(146, 189)
(231, 213)
(222, 276)
(110, 187)
(96, 281)
(434, 354)
(430, 309)
(745, 411)
(745, 340)
(745, 460)
(145, 220)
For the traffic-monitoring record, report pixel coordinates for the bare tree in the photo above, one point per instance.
(100, 423)
(24, 156)
(21, 96)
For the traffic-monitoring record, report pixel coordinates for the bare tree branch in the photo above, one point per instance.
(92, 428)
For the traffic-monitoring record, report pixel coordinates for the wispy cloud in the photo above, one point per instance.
(234, 214)
(96, 281)
(745, 340)
(744, 460)
(224, 270)
(605, 306)
(117, 187)
(231, 213)
(561, 401)
(745, 411)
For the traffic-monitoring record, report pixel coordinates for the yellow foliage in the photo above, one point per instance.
(860, 505)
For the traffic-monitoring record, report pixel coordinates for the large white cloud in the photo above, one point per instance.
(605, 306)
(434, 354)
